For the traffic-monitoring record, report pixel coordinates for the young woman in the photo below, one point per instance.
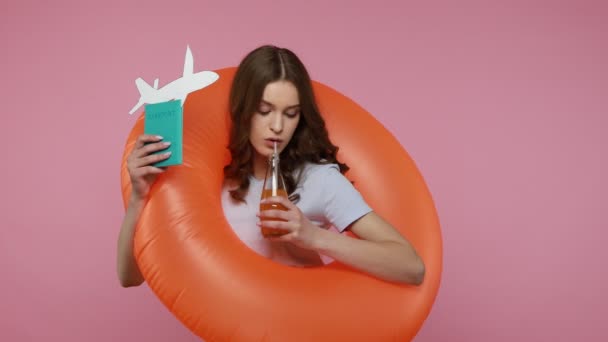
(272, 102)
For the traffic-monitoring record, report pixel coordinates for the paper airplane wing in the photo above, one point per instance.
(139, 104)
(188, 63)
(177, 89)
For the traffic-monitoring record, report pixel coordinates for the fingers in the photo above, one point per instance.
(150, 159)
(274, 214)
(146, 138)
(289, 235)
(279, 200)
(150, 148)
(282, 225)
(143, 153)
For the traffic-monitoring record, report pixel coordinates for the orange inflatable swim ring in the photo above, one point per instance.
(223, 291)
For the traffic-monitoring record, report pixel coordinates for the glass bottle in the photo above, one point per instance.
(273, 186)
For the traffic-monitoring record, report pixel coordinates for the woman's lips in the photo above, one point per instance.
(270, 142)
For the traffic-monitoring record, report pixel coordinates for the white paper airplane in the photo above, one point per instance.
(176, 90)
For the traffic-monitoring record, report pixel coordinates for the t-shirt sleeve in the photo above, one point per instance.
(342, 202)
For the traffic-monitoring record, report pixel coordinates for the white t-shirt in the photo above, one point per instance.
(327, 199)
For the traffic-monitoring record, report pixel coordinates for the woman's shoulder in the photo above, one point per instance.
(310, 167)
(318, 171)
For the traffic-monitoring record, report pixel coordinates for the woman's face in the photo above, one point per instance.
(276, 118)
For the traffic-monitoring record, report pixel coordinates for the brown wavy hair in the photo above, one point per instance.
(310, 141)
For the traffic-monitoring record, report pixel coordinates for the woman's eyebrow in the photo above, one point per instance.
(273, 106)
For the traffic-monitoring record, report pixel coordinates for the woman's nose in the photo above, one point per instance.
(276, 125)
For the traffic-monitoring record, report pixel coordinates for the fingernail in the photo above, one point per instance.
(159, 137)
(167, 143)
(168, 153)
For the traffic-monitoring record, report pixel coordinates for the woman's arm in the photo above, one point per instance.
(381, 251)
(142, 175)
(128, 271)
(307, 257)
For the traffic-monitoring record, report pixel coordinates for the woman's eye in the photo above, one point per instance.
(292, 114)
(263, 112)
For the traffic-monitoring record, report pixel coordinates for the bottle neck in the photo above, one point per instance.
(274, 167)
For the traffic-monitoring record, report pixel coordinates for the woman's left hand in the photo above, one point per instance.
(301, 232)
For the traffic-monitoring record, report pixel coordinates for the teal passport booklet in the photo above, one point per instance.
(166, 119)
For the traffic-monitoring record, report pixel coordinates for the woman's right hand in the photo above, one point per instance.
(142, 173)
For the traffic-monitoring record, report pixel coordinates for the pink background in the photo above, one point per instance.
(504, 107)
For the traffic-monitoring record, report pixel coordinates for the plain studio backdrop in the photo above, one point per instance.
(502, 104)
